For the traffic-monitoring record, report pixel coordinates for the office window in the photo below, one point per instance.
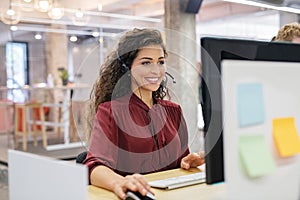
(261, 25)
(16, 70)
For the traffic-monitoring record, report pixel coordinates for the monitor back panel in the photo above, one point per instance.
(281, 98)
(36, 177)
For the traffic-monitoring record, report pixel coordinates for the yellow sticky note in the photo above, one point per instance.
(285, 136)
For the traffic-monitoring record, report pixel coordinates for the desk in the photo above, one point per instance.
(198, 191)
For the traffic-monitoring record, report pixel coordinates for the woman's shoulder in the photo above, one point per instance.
(119, 102)
(106, 108)
(168, 103)
(105, 104)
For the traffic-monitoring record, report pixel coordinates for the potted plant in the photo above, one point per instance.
(64, 75)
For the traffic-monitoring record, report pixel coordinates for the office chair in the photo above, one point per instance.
(81, 157)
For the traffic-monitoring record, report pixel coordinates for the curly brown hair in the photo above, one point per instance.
(288, 32)
(114, 79)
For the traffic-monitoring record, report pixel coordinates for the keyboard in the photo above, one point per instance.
(180, 181)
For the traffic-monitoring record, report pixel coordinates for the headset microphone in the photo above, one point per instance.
(174, 81)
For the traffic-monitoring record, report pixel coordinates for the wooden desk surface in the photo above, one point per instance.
(198, 191)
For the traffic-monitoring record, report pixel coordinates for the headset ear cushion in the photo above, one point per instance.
(124, 68)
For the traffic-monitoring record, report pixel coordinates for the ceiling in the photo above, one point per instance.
(119, 15)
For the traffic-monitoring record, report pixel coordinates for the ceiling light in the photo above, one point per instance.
(79, 14)
(10, 12)
(13, 28)
(43, 5)
(96, 34)
(56, 13)
(38, 36)
(73, 38)
(27, 1)
(10, 16)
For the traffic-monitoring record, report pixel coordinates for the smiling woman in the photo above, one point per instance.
(134, 129)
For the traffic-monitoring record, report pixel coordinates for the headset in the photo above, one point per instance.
(125, 68)
(172, 77)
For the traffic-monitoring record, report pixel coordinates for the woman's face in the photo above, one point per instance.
(148, 69)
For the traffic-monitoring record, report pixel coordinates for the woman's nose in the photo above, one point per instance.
(155, 69)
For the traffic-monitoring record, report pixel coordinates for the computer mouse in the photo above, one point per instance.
(131, 195)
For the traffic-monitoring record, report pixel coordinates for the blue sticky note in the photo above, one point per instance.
(250, 104)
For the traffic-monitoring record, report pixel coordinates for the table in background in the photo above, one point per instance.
(38, 94)
(64, 105)
(198, 191)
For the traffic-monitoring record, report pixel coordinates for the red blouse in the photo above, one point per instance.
(128, 137)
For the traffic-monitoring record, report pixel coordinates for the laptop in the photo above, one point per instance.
(37, 177)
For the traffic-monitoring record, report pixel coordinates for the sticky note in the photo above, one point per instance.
(255, 155)
(285, 136)
(250, 104)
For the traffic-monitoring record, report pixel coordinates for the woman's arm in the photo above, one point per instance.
(103, 156)
(193, 160)
(104, 177)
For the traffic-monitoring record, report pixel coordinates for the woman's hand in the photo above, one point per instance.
(193, 160)
(135, 182)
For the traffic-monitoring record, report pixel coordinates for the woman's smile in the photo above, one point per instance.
(153, 80)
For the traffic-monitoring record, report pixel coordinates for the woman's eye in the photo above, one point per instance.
(146, 63)
(162, 62)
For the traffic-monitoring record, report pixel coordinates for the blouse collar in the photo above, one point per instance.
(135, 99)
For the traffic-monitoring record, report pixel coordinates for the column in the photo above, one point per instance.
(180, 32)
(56, 51)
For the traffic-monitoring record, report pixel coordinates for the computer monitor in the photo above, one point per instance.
(214, 50)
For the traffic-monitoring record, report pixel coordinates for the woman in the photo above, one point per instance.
(289, 33)
(134, 130)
